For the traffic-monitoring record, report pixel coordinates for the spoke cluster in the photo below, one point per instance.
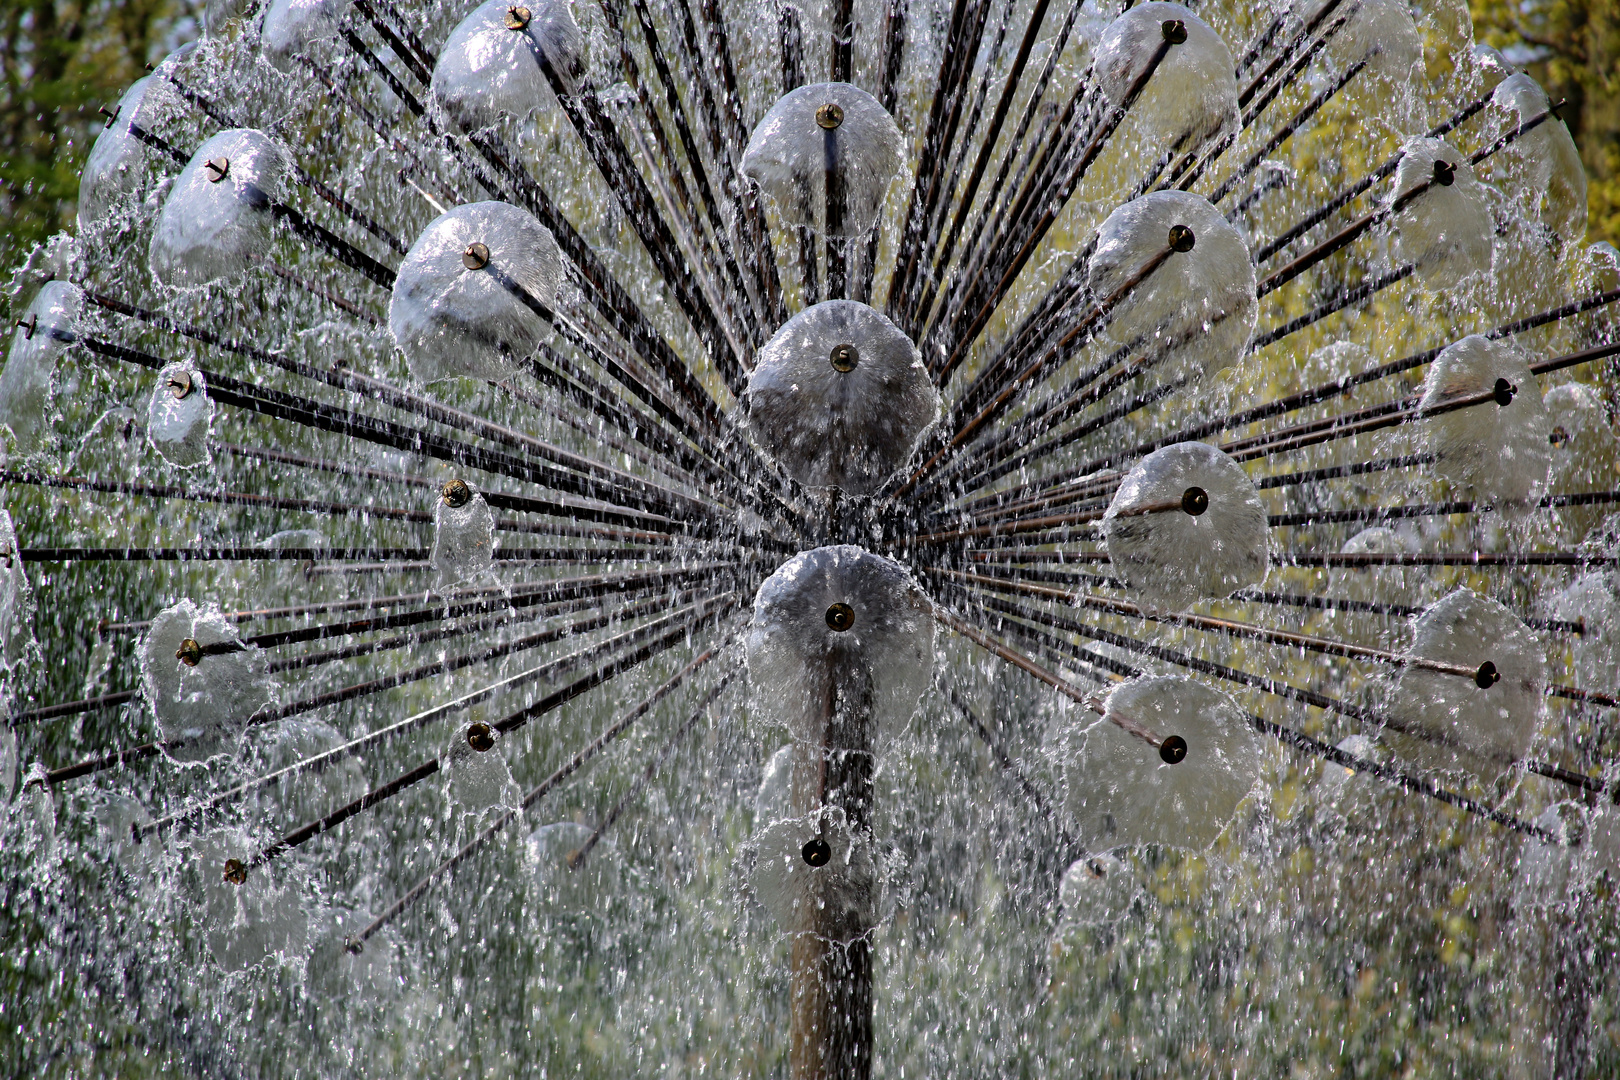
(634, 513)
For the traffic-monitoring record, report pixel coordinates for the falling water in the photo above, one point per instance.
(855, 539)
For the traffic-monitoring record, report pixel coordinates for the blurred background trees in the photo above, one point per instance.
(62, 59)
(1572, 48)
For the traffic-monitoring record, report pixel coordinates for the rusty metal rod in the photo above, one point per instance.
(1276, 688)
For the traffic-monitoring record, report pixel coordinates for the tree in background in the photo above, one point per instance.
(61, 60)
(1571, 47)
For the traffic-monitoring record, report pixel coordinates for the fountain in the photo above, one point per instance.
(883, 538)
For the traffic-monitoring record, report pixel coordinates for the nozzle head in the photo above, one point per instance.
(817, 852)
(840, 617)
(456, 494)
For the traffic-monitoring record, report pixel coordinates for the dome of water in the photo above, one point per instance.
(1442, 218)
(1601, 848)
(1367, 590)
(1195, 312)
(17, 644)
(833, 622)
(1192, 95)
(179, 415)
(474, 295)
(1185, 524)
(506, 60)
(1491, 65)
(219, 14)
(1593, 602)
(1585, 449)
(1498, 446)
(1599, 263)
(815, 871)
(1337, 784)
(827, 138)
(217, 216)
(1168, 763)
(840, 397)
(463, 534)
(1476, 717)
(200, 681)
(117, 165)
(1380, 32)
(1097, 890)
(1542, 172)
(289, 743)
(1547, 870)
(29, 378)
(775, 798)
(290, 27)
(249, 922)
(476, 776)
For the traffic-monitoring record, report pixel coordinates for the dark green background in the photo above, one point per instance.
(62, 60)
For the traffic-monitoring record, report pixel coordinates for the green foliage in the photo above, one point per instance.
(1576, 46)
(60, 61)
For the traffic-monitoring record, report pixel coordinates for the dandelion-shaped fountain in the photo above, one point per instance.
(815, 541)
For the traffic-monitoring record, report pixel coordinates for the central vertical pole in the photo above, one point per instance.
(832, 951)
(843, 47)
(833, 180)
(1571, 991)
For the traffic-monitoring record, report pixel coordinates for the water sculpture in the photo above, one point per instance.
(1186, 523)
(178, 415)
(42, 335)
(755, 539)
(505, 60)
(1542, 171)
(1168, 763)
(218, 213)
(1491, 716)
(200, 707)
(291, 28)
(840, 397)
(1192, 94)
(1502, 452)
(1442, 221)
(1207, 261)
(117, 163)
(472, 293)
(826, 154)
